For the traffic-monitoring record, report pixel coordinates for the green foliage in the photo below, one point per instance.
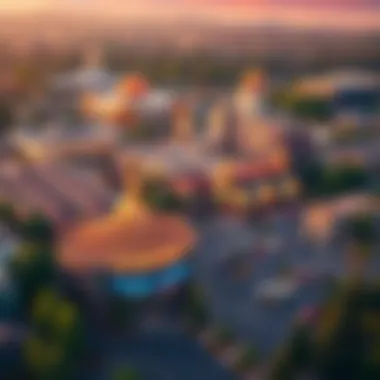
(57, 319)
(45, 360)
(362, 229)
(311, 108)
(125, 373)
(37, 229)
(196, 308)
(120, 312)
(297, 356)
(249, 358)
(8, 216)
(32, 268)
(57, 328)
(283, 369)
(282, 99)
(58, 331)
(160, 196)
(304, 107)
(224, 335)
(319, 180)
(343, 344)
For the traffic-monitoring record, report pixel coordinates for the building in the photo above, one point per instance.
(351, 94)
(138, 252)
(59, 142)
(60, 191)
(239, 143)
(128, 102)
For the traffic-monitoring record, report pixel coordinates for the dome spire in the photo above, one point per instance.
(132, 203)
(182, 123)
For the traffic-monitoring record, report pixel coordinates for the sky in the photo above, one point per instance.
(359, 14)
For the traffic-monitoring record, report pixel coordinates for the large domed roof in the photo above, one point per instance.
(132, 239)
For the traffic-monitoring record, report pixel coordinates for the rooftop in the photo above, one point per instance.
(130, 239)
(126, 245)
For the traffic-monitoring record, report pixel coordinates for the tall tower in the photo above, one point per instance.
(216, 124)
(222, 133)
(249, 99)
(93, 57)
(223, 182)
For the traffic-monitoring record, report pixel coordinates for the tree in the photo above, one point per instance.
(224, 335)
(160, 196)
(8, 216)
(120, 312)
(32, 268)
(37, 229)
(311, 108)
(344, 342)
(362, 234)
(44, 304)
(304, 107)
(196, 308)
(321, 180)
(57, 319)
(125, 373)
(44, 360)
(341, 352)
(311, 177)
(297, 357)
(58, 329)
(248, 359)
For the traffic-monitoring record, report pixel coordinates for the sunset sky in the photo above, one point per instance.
(362, 14)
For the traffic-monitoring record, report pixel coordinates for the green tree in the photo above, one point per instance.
(58, 329)
(341, 351)
(8, 216)
(224, 335)
(297, 356)
(362, 234)
(120, 312)
(320, 180)
(304, 107)
(196, 307)
(44, 360)
(248, 359)
(160, 196)
(311, 178)
(32, 268)
(45, 304)
(57, 319)
(125, 373)
(344, 342)
(37, 229)
(311, 108)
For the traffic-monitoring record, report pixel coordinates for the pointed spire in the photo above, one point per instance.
(93, 57)
(182, 123)
(216, 125)
(132, 203)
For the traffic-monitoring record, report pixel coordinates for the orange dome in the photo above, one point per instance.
(134, 86)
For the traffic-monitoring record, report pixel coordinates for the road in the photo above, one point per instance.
(227, 245)
(168, 356)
